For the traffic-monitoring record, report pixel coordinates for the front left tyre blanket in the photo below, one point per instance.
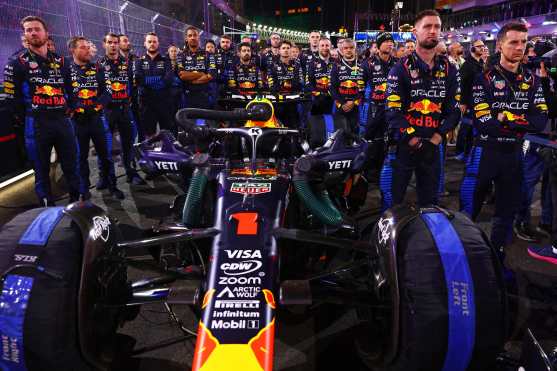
(444, 292)
(42, 308)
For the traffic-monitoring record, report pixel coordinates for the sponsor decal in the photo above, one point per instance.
(240, 292)
(422, 121)
(481, 106)
(33, 65)
(381, 88)
(234, 325)
(440, 74)
(394, 104)
(524, 86)
(482, 113)
(241, 268)
(384, 230)
(542, 107)
(166, 165)
(101, 228)
(393, 98)
(499, 84)
(339, 165)
(86, 94)
(425, 107)
(237, 304)
(250, 188)
(511, 105)
(433, 93)
(240, 281)
(457, 97)
(243, 254)
(414, 74)
(48, 90)
(519, 119)
(377, 67)
(235, 314)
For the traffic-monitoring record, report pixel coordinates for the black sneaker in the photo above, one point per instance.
(544, 229)
(524, 232)
(116, 193)
(135, 179)
(102, 184)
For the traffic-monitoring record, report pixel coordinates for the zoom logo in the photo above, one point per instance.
(240, 268)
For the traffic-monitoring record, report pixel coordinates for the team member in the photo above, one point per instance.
(309, 55)
(210, 47)
(348, 79)
(119, 76)
(378, 68)
(318, 79)
(422, 106)
(37, 84)
(472, 66)
(91, 95)
(132, 60)
(285, 77)
(409, 47)
(154, 79)
(508, 101)
(224, 59)
(197, 69)
(177, 87)
(245, 77)
(271, 57)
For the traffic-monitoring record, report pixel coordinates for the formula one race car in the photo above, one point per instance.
(266, 224)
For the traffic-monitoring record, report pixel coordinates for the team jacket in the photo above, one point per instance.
(348, 81)
(199, 61)
(285, 78)
(89, 89)
(376, 91)
(421, 100)
(268, 60)
(224, 61)
(154, 77)
(519, 96)
(244, 79)
(307, 57)
(35, 85)
(318, 77)
(118, 74)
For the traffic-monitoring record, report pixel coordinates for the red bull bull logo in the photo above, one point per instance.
(47, 95)
(425, 107)
(322, 82)
(381, 88)
(518, 119)
(48, 90)
(117, 86)
(247, 85)
(86, 94)
(348, 84)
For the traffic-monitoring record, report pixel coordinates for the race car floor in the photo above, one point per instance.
(302, 345)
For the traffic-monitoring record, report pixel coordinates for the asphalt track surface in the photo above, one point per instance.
(304, 344)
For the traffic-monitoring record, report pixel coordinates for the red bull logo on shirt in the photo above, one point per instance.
(47, 95)
(425, 107)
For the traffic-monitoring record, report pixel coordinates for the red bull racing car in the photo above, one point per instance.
(266, 224)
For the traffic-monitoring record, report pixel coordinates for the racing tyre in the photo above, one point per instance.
(442, 286)
(57, 273)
